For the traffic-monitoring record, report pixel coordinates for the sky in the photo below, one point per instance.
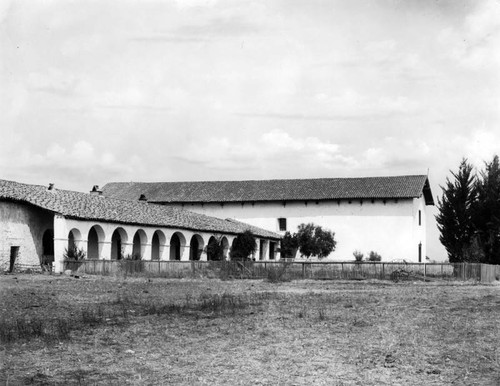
(99, 91)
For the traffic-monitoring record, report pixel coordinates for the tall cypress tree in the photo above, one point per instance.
(455, 218)
(487, 211)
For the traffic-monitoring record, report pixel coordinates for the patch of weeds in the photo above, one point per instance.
(222, 304)
(92, 317)
(278, 274)
(302, 313)
(27, 329)
(63, 328)
(322, 314)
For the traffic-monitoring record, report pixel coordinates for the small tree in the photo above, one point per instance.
(74, 253)
(313, 240)
(374, 256)
(289, 245)
(358, 255)
(244, 245)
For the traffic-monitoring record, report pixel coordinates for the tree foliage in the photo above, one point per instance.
(374, 256)
(469, 214)
(313, 240)
(455, 212)
(244, 245)
(487, 211)
(289, 245)
(215, 249)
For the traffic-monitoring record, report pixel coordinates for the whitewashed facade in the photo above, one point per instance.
(386, 215)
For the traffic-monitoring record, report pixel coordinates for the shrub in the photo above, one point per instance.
(289, 245)
(358, 255)
(243, 246)
(374, 256)
(215, 249)
(313, 240)
(74, 253)
(135, 256)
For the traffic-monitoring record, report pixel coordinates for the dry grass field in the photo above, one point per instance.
(115, 331)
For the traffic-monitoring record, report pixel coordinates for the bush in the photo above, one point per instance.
(289, 245)
(135, 256)
(374, 256)
(243, 246)
(358, 255)
(74, 253)
(215, 249)
(313, 240)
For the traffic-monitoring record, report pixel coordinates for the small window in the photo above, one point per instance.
(419, 217)
(282, 224)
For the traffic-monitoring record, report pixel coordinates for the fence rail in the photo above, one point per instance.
(290, 270)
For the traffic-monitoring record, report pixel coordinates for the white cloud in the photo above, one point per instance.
(476, 44)
(186, 4)
(480, 146)
(277, 148)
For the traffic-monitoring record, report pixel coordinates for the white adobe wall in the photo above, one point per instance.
(23, 226)
(389, 228)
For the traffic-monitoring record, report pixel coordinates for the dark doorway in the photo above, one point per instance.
(48, 242)
(137, 247)
(116, 246)
(175, 248)
(155, 247)
(420, 252)
(193, 249)
(14, 251)
(271, 250)
(93, 244)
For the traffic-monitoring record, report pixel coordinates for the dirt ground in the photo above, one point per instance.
(295, 333)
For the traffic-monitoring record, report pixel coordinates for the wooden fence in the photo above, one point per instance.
(287, 270)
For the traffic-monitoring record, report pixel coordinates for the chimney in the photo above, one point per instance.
(95, 191)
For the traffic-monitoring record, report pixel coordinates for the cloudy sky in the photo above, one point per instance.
(108, 90)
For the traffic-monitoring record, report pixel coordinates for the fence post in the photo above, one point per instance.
(425, 272)
(463, 271)
(303, 270)
(383, 271)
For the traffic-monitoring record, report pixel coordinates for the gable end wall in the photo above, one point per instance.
(22, 225)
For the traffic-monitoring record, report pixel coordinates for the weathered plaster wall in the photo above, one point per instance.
(22, 225)
(390, 228)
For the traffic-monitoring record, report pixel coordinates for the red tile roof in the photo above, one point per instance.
(86, 206)
(274, 190)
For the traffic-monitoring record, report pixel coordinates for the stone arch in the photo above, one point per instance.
(177, 245)
(118, 239)
(94, 242)
(74, 238)
(232, 248)
(225, 248)
(139, 244)
(217, 247)
(196, 247)
(157, 244)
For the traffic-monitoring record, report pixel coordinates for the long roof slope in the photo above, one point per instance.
(85, 206)
(275, 190)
